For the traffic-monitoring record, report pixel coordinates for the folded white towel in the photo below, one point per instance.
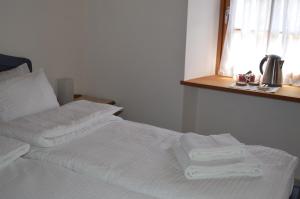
(213, 147)
(194, 170)
(10, 150)
(60, 125)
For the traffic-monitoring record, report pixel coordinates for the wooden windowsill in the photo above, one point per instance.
(287, 93)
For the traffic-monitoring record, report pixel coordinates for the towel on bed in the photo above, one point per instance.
(196, 170)
(10, 150)
(138, 157)
(60, 125)
(212, 148)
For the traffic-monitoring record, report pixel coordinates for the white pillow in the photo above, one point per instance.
(20, 70)
(26, 95)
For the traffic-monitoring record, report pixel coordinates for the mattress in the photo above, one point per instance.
(138, 157)
(30, 179)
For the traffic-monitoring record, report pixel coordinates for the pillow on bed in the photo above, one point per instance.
(25, 95)
(20, 70)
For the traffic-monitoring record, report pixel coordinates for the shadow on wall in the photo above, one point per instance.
(189, 112)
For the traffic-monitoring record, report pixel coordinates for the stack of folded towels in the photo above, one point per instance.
(214, 156)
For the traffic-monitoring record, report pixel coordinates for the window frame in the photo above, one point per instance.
(223, 19)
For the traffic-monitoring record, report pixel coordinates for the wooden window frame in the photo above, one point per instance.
(224, 5)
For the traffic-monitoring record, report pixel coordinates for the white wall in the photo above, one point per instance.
(202, 37)
(48, 32)
(201, 49)
(131, 51)
(135, 55)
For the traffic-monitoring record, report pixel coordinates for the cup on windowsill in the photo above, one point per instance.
(246, 78)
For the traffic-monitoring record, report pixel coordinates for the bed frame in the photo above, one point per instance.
(8, 62)
(296, 192)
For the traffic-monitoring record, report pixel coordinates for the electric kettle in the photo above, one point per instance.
(272, 75)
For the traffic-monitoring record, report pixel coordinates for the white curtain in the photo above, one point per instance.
(261, 27)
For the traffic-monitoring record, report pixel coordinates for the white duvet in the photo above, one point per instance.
(138, 157)
(30, 179)
(59, 125)
(10, 150)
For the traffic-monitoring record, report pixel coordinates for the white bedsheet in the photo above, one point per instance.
(138, 157)
(10, 150)
(30, 179)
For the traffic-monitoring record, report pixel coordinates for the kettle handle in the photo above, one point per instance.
(262, 64)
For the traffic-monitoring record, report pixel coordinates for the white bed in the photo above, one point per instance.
(137, 157)
(30, 179)
(78, 152)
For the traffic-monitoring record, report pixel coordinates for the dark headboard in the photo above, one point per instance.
(8, 62)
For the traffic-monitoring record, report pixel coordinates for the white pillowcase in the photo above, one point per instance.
(26, 95)
(20, 70)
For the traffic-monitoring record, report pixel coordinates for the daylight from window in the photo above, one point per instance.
(259, 28)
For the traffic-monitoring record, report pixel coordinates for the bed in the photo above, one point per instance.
(33, 179)
(137, 157)
(29, 179)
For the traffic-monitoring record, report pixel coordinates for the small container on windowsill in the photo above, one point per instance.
(248, 77)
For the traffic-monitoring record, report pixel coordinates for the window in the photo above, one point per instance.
(255, 28)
